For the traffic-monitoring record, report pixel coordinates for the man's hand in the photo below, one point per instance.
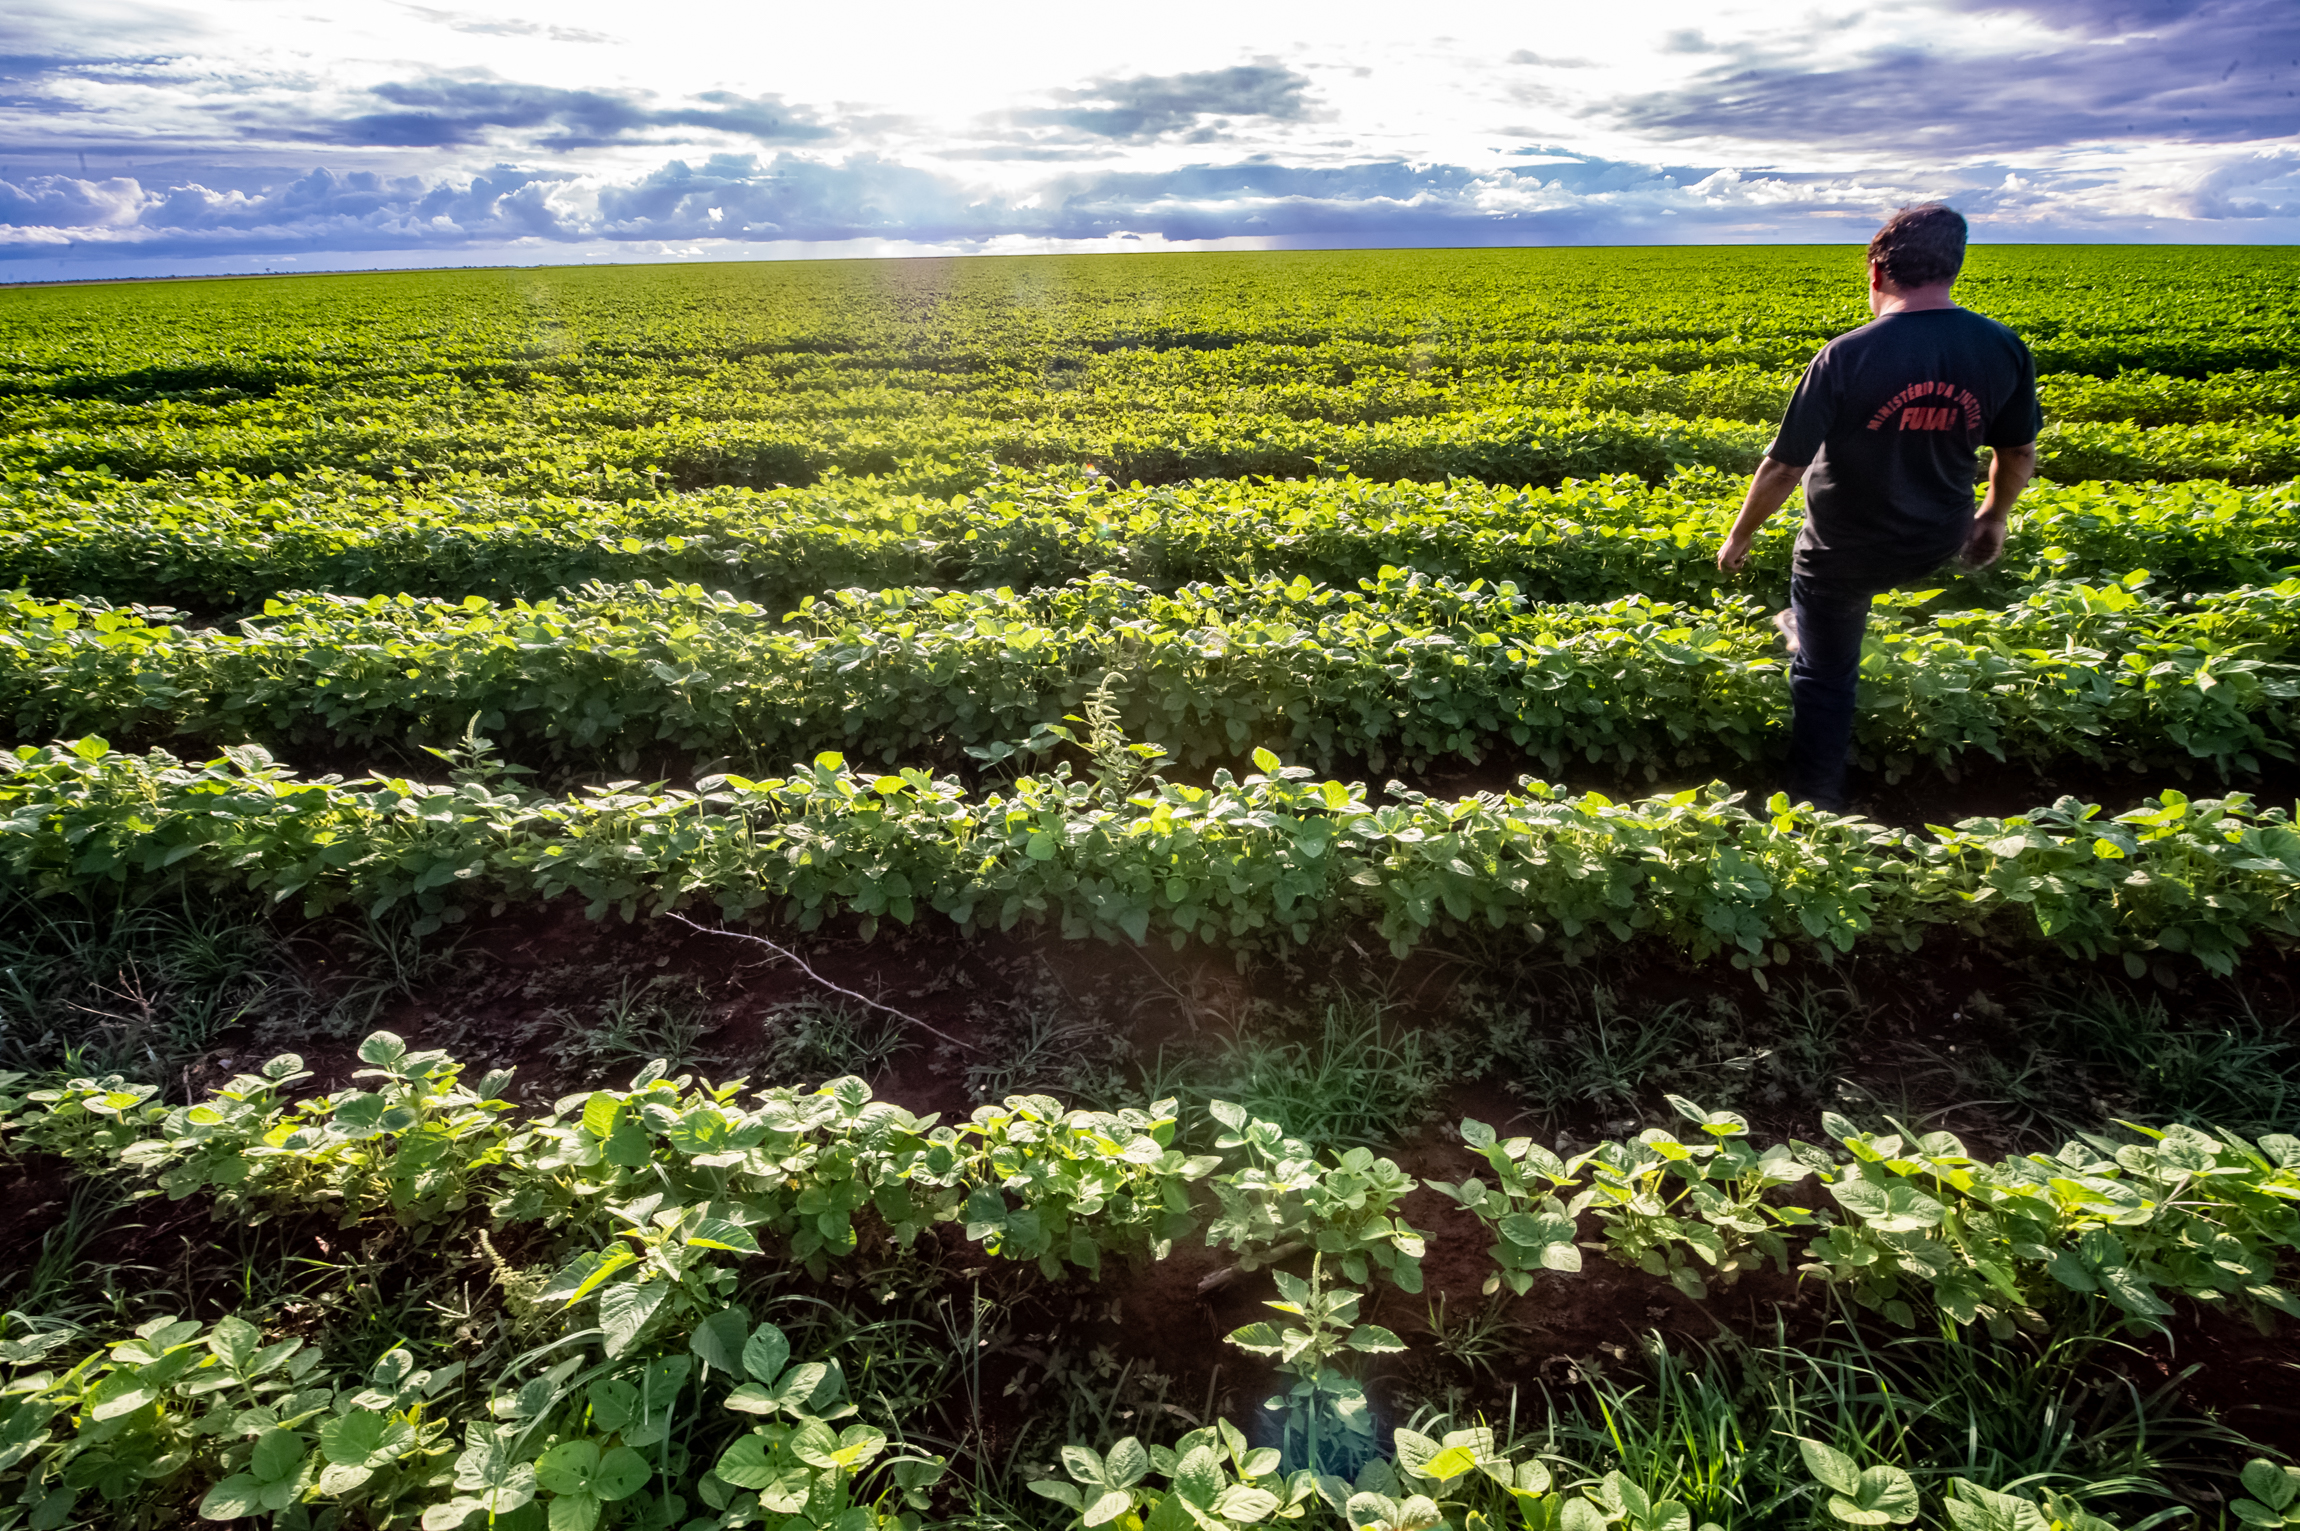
(1768, 491)
(2010, 469)
(1985, 543)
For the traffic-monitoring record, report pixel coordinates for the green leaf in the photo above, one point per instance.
(1581, 1515)
(453, 1514)
(624, 1310)
(383, 1049)
(622, 1473)
(587, 1273)
(718, 1233)
(1831, 1467)
(1897, 1207)
(574, 1512)
(1104, 1506)
(237, 1496)
(917, 1472)
(1262, 1339)
(719, 1340)
(118, 1395)
(339, 1482)
(1243, 1504)
(489, 1472)
(277, 1455)
(766, 1352)
(1126, 1464)
(1449, 1464)
(746, 1463)
(363, 1439)
(235, 1341)
(614, 1403)
(600, 1113)
(814, 1445)
(2274, 1486)
(1198, 1477)
(569, 1467)
(1055, 1489)
(1885, 1495)
(1974, 1508)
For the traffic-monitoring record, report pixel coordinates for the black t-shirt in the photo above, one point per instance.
(1891, 418)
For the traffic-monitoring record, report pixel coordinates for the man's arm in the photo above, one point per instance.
(1768, 492)
(2010, 469)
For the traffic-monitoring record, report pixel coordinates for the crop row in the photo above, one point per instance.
(1505, 445)
(655, 1197)
(1761, 396)
(2097, 311)
(1512, 446)
(219, 543)
(1274, 860)
(828, 1171)
(1357, 386)
(1405, 670)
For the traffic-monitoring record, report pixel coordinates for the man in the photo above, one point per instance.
(1885, 431)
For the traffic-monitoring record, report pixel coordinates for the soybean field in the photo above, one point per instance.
(811, 895)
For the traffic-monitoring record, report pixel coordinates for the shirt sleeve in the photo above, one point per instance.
(1812, 410)
(2022, 417)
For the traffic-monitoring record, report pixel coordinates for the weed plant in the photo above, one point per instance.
(658, 1019)
(1364, 1078)
(1716, 1428)
(1481, 1340)
(1580, 1045)
(896, 1363)
(63, 1283)
(2234, 1070)
(2105, 1053)
(811, 1040)
(140, 988)
(1602, 1053)
(1074, 1389)
(387, 960)
(1047, 1041)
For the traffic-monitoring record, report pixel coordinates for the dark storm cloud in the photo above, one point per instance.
(1149, 106)
(447, 113)
(2196, 71)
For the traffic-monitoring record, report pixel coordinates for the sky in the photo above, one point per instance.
(251, 135)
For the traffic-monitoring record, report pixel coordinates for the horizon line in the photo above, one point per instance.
(828, 260)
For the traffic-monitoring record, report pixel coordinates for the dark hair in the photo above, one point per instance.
(1920, 245)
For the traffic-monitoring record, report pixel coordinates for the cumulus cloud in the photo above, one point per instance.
(1196, 106)
(447, 113)
(2264, 184)
(2193, 71)
(458, 21)
(1552, 197)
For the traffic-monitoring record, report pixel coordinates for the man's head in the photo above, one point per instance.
(1922, 245)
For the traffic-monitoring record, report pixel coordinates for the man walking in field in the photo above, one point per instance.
(1885, 431)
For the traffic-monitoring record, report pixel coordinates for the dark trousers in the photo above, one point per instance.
(1832, 618)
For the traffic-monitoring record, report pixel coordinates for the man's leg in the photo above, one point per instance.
(1831, 620)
